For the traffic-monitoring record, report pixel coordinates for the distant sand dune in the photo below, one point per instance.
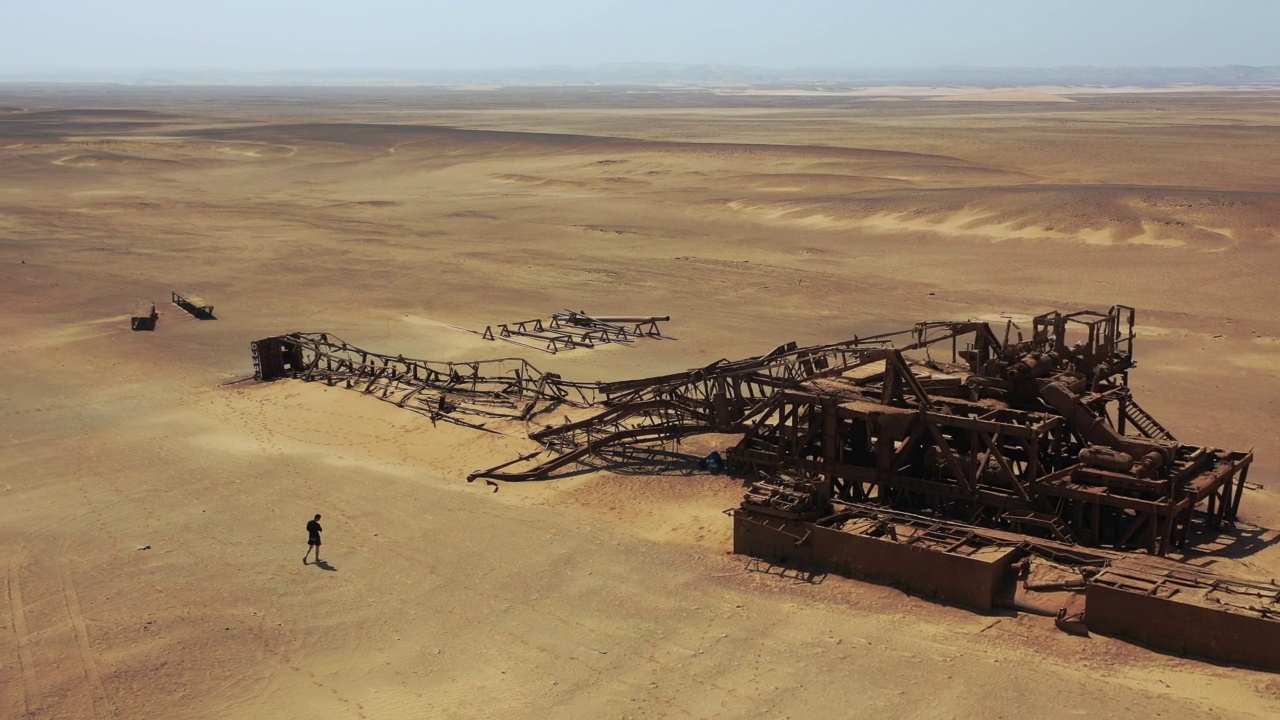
(1085, 215)
(104, 161)
(1021, 95)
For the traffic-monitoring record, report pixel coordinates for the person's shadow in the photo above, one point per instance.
(324, 565)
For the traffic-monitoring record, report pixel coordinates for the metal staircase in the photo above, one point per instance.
(1147, 425)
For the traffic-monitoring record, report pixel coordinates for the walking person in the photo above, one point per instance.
(313, 539)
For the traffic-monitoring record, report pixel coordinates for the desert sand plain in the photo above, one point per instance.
(383, 215)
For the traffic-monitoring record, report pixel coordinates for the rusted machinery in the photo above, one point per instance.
(951, 478)
(949, 458)
(1040, 436)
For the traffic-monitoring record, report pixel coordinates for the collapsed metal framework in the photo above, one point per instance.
(979, 468)
(1040, 436)
(568, 329)
(505, 388)
(726, 396)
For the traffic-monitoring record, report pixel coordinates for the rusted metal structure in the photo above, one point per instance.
(1163, 604)
(194, 304)
(726, 396)
(568, 329)
(1041, 436)
(1037, 435)
(943, 458)
(506, 388)
(144, 317)
(617, 327)
(1187, 611)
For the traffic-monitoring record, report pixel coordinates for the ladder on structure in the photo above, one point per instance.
(1146, 424)
(1054, 525)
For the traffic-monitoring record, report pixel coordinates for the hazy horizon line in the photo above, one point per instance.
(641, 63)
(668, 73)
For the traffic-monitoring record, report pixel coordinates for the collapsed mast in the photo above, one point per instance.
(954, 420)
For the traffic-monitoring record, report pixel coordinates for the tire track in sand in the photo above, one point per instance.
(97, 691)
(21, 634)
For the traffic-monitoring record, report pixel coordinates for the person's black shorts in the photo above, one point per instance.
(313, 540)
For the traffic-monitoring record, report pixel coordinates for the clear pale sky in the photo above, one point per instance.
(267, 35)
